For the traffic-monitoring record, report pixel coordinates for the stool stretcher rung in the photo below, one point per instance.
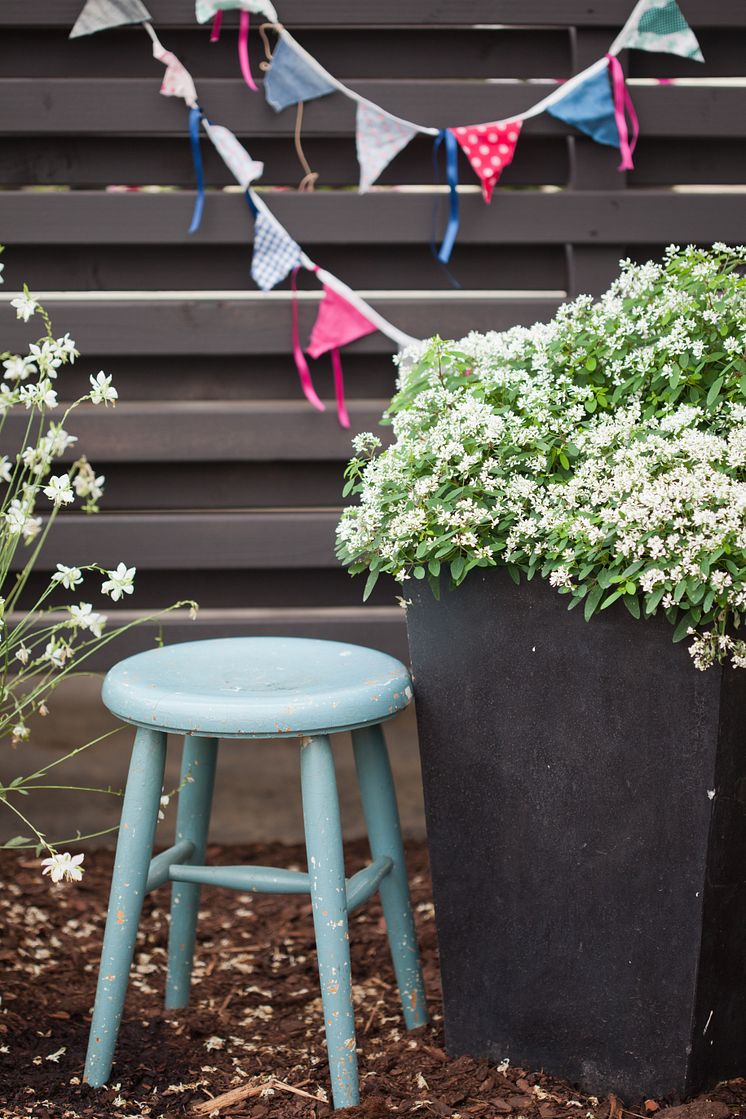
(365, 883)
(160, 866)
(271, 880)
(251, 879)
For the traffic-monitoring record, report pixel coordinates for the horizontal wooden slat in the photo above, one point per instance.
(394, 13)
(381, 627)
(133, 106)
(170, 541)
(220, 485)
(208, 431)
(348, 54)
(515, 217)
(260, 326)
(88, 161)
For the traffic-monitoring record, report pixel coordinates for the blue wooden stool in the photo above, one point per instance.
(243, 688)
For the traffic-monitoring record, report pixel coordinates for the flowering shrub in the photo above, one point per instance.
(44, 642)
(604, 451)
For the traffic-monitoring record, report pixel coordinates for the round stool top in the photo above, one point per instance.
(257, 687)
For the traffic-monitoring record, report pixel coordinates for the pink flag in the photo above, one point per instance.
(489, 148)
(337, 323)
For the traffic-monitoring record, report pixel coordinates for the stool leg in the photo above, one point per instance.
(192, 823)
(134, 850)
(384, 832)
(328, 896)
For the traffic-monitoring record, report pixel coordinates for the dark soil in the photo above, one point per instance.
(255, 1021)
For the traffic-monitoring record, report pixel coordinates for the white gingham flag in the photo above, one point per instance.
(275, 253)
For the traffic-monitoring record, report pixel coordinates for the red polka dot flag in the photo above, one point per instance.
(489, 148)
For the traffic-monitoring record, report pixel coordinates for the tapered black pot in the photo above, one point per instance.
(590, 887)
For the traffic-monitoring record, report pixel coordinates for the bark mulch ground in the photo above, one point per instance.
(254, 1029)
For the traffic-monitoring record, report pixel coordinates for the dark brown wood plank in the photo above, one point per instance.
(394, 13)
(88, 161)
(515, 217)
(207, 541)
(380, 627)
(208, 431)
(259, 326)
(78, 106)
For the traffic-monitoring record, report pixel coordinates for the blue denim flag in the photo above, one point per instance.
(291, 79)
(590, 107)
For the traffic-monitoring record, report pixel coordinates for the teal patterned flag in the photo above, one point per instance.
(658, 25)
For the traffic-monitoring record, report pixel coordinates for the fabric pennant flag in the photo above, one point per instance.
(275, 252)
(177, 81)
(589, 107)
(379, 137)
(489, 148)
(98, 15)
(207, 9)
(238, 161)
(291, 79)
(658, 25)
(338, 323)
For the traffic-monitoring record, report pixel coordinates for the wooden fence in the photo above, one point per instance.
(222, 483)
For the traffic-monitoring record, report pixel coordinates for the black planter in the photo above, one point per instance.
(590, 893)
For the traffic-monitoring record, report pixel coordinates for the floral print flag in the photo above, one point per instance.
(379, 137)
(489, 148)
(177, 81)
(658, 25)
(97, 15)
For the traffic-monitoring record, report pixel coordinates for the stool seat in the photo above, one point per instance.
(257, 687)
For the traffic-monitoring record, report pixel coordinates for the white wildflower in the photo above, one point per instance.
(69, 577)
(120, 582)
(59, 491)
(63, 867)
(25, 305)
(102, 390)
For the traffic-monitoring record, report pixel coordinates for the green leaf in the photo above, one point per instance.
(632, 602)
(457, 566)
(16, 841)
(514, 574)
(714, 391)
(434, 567)
(370, 584)
(611, 598)
(592, 601)
(652, 600)
(590, 363)
(682, 628)
(564, 461)
(419, 572)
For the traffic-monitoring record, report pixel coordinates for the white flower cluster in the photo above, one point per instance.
(605, 450)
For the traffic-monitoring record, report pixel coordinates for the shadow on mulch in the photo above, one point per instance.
(255, 1022)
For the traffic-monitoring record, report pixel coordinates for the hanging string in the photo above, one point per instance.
(339, 388)
(267, 60)
(243, 49)
(622, 104)
(217, 23)
(301, 364)
(308, 182)
(195, 118)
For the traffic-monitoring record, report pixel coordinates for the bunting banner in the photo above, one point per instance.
(208, 9)
(177, 81)
(596, 101)
(244, 169)
(291, 80)
(589, 107)
(338, 323)
(489, 149)
(275, 252)
(99, 15)
(658, 25)
(378, 138)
